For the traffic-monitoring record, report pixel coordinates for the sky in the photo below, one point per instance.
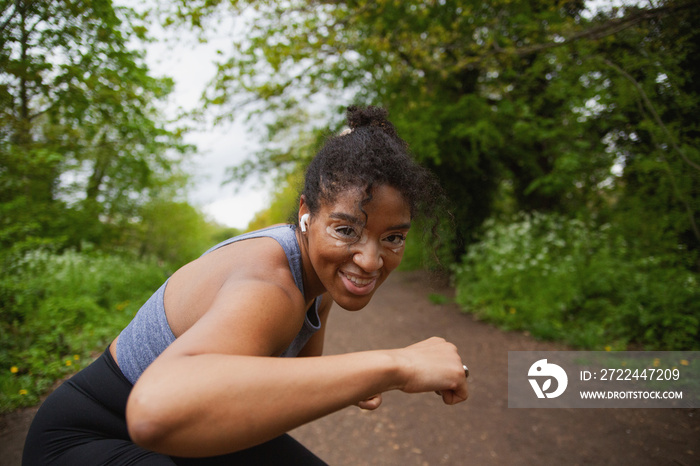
(190, 64)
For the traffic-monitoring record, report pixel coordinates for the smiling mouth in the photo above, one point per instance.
(358, 285)
(360, 281)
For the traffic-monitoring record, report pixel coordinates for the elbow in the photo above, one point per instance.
(145, 434)
(147, 424)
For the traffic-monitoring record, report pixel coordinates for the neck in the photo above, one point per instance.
(312, 285)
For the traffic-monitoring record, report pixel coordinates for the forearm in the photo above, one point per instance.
(212, 404)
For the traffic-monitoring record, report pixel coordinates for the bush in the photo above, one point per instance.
(424, 250)
(567, 280)
(58, 309)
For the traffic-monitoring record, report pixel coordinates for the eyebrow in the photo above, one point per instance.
(402, 226)
(346, 217)
(357, 221)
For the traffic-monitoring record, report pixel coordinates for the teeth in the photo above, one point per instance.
(360, 281)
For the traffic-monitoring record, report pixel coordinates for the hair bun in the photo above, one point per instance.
(370, 116)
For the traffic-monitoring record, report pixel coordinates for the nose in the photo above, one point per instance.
(368, 257)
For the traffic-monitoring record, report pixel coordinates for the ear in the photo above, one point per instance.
(304, 213)
(303, 207)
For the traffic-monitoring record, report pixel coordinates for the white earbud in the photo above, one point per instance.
(304, 222)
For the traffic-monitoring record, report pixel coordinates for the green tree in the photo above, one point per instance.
(155, 236)
(532, 105)
(81, 140)
(284, 204)
(656, 137)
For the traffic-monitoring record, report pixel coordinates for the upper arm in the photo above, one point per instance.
(247, 317)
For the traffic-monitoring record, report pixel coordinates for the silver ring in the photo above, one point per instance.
(466, 370)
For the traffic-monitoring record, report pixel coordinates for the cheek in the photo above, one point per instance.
(333, 252)
(393, 258)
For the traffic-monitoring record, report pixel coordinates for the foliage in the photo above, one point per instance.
(283, 206)
(223, 233)
(172, 231)
(569, 280)
(428, 249)
(58, 309)
(285, 159)
(542, 96)
(82, 142)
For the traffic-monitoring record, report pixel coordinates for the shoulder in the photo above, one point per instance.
(254, 272)
(261, 258)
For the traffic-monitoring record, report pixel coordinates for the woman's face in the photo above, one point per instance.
(351, 258)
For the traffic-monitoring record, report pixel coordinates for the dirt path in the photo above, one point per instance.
(419, 430)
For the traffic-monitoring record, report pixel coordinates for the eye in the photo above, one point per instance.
(346, 232)
(396, 239)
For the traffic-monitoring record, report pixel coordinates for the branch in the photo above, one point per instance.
(652, 110)
(12, 15)
(688, 210)
(657, 119)
(603, 30)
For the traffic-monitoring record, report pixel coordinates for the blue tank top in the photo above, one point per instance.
(149, 333)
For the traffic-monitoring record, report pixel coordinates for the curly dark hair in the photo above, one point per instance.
(370, 154)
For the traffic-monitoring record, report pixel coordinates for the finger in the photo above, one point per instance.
(452, 397)
(368, 405)
(371, 403)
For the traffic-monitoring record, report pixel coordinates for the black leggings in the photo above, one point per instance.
(83, 423)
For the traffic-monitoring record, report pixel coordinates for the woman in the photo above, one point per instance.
(195, 377)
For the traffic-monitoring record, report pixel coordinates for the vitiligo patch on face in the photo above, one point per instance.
(362, 240)
(347, 241)
(333, 234)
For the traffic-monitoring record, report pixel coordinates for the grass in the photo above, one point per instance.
(58, 310)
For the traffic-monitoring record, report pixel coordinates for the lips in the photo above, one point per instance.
(360, 281)
(358, 285)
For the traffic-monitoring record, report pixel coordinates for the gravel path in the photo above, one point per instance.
(419, 430)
